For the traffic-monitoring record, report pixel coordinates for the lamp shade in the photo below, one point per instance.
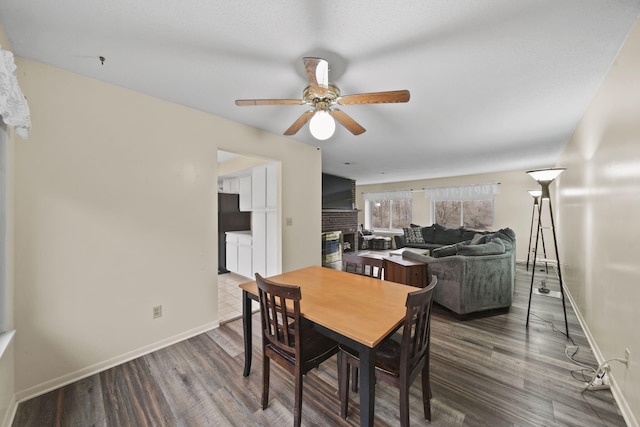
(545, 175)
(535, 193)
(322, 126)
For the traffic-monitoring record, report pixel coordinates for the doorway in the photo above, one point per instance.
(252, 185)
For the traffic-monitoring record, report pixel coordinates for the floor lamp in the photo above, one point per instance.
(536, 200)
(545, 177)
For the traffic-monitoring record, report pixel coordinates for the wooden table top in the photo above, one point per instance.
(359, 307)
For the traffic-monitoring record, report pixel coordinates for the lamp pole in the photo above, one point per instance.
(545, 177)
(536, 200)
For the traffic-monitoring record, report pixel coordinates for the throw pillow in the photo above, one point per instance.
(495, 247)
(467, 234)
(506, 234)
(476, 237)
(444, 251)
(486, 238)
(428, 233)
(447, 236)
(413, 235)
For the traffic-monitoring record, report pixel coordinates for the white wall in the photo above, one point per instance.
(115, 212)
(599, 226)
(512, 205)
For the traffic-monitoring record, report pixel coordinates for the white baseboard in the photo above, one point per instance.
(625, 410)
(11, 412)
(63, 380)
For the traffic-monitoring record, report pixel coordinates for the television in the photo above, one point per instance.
(337, 192)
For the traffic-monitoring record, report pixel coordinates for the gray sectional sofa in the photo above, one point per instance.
(474, 274)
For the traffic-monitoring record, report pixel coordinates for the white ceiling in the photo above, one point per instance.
(495, 84)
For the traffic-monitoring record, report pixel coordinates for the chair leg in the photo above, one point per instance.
(343, 384)
(426, 391)
(297, 411)
(404, 404)
(265, 382)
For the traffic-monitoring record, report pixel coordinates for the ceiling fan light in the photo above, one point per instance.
(322, 126)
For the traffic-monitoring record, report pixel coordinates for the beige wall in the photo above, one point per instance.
(115, 208)
(599, 207)
(512, 205)
(7, 367)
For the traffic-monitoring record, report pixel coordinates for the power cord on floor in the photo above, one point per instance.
(600, 380)
(589, 372)
(548, 322)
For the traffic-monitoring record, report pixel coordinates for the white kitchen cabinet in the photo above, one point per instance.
(271, 186)
(264, 219)
(259, 229)
(245, 256)
(239, 246)
(232, 252)
(272, 244)
(244, 187)
(259, 188)
(231, 185)
(265, 242)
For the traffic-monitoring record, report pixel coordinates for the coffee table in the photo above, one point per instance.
(406, 271)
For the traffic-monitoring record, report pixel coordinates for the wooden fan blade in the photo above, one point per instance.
(346, 121)
(375, 97)
(295, 127)
(318, 73)
(251, 102)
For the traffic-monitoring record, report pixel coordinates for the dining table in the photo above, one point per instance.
(355, 310)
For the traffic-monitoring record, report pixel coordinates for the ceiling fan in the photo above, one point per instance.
(323, 96)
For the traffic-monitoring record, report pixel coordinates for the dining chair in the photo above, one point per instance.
(285, 339)
(398, 361)
(362, 264)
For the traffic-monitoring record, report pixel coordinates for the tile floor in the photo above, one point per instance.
(230, 297)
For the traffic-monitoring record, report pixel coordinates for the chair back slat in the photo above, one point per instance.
(280, 314)
(417, 325)
(363, 265)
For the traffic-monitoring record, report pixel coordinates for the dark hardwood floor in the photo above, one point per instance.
(485, 371)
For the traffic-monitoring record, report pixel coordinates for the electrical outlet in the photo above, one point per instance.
(627, 356)
(289, 221)
(157, 311)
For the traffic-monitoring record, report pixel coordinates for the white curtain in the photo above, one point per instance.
(388, 195)
(13, 106)
(463, 192)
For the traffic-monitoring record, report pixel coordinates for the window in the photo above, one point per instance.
(474, 214)
(390, 210)
(469, 206)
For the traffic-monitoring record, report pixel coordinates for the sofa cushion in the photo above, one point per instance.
(494, 247)
(447, 236)
(413, 235)
(429, 233)
(445, 251)
(467, 234)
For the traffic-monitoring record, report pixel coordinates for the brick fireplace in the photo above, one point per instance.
(345, 221)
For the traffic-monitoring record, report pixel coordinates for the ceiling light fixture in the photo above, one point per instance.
(322, 126)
